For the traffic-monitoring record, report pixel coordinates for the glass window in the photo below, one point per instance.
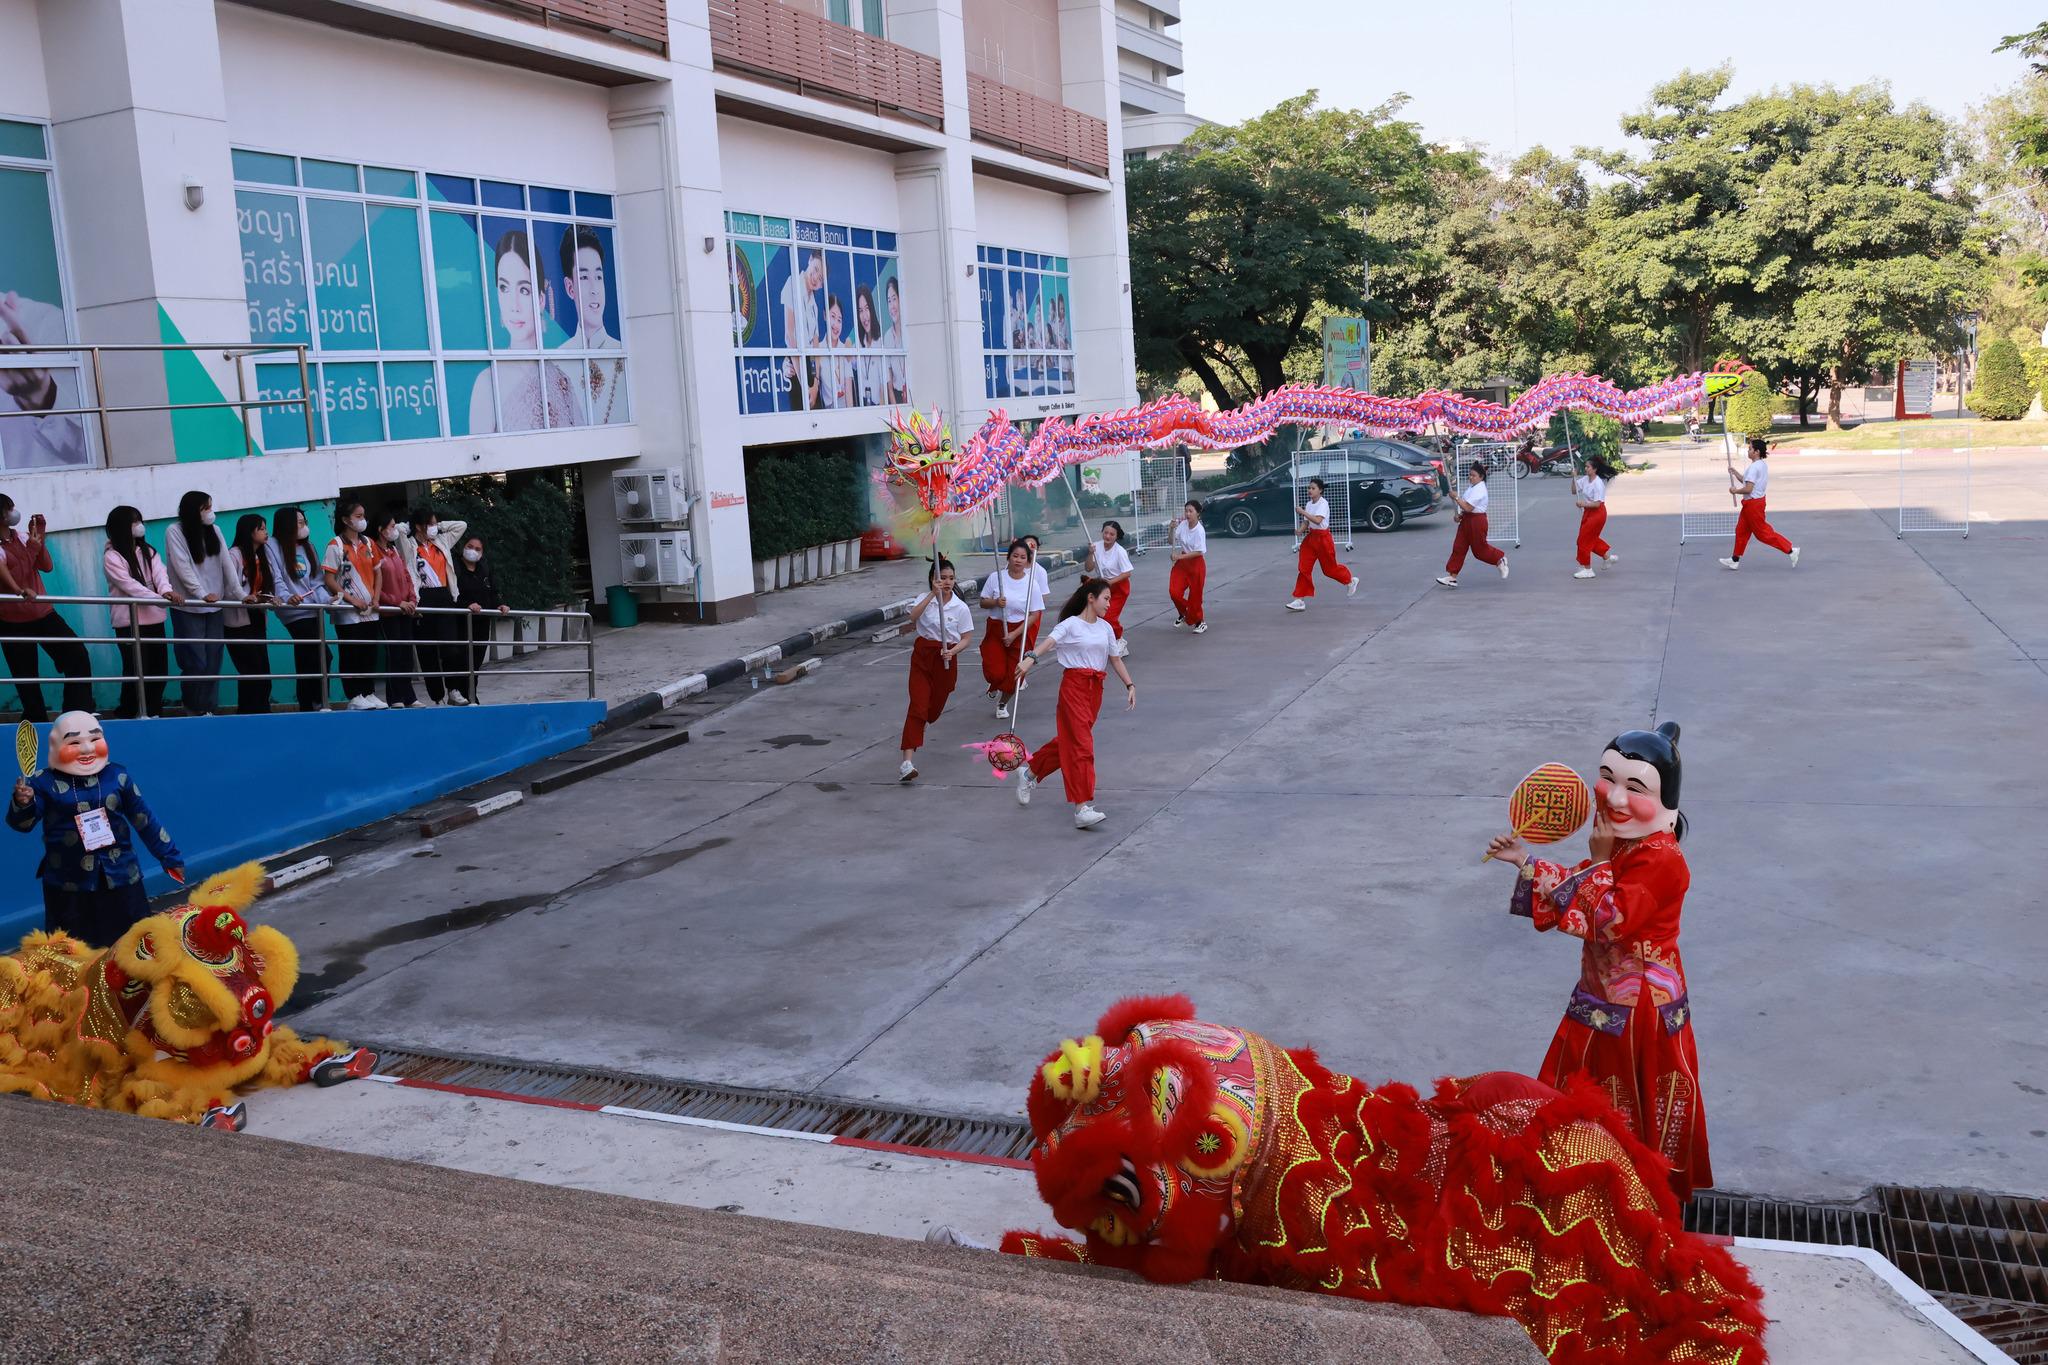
(1027, 330)
(817, 321)
(36, 313)
(420, 300)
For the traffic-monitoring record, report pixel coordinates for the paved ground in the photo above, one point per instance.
(1297, 808)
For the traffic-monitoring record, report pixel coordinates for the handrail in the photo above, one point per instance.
(134, 638)
(231, 350)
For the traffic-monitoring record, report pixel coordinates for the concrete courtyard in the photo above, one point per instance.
(1297, 809)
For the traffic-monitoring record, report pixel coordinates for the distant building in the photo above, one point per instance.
(1148, 62)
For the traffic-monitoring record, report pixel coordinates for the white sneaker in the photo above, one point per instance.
(944, 1236)
(1351, 588)
(1002, 711)
(1202, 629)
(1731, 563)
(1088, 817)
(1025, 782)
(361, 703)
(1795, 556)
(1448, 580)
(1178, 622)
(455, 697)
(1296, 604)
(1503, 568)
(377, 703)
(1586, 572)
(1610, 559)
(906, 771)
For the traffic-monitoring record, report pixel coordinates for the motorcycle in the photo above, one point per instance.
(1548, 460)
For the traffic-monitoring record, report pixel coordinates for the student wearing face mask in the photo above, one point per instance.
(430, 550)
(247, 630)
(23, 562)
(349, 567)
(136, 570)
(398, 604)
(476, 590)
(295, 569)
(203, 577)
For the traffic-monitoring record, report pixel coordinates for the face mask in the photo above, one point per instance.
(14, 516)
(137, 529)
(434, 531)
(391, 536)
(472, 556)
(358, 525)
(206, 517)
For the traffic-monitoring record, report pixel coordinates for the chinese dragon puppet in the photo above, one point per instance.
(1185, 1150)
(169, 1021)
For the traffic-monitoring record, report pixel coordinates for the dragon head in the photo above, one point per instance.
(1727, 378)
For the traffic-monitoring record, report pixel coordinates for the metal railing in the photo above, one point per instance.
(769, 38)
(643, 23)
(236, 352)
(134, 640)
(1036, 126)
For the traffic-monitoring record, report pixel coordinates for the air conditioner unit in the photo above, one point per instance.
(661, 495)
(656, 559)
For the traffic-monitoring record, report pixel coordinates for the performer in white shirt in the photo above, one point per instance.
(1589, 493)
(1086, 648)
(1470, 511)
(944, 626)
(1109, 561)
(1038, 574)
(1318, 548)
(1015, 603)
(1750, 488)
(1190, 550)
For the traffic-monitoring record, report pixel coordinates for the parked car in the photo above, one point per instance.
(1386, 490)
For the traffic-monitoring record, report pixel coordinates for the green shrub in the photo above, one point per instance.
(1590, 433)
(1749, 412)
(2001, 394)
(527, 530)
(797, 499)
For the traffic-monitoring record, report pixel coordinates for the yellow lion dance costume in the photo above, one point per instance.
(169, 1021)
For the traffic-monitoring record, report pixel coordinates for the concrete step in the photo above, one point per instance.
(554, 1265)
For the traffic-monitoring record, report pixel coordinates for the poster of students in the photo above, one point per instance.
(817, 315)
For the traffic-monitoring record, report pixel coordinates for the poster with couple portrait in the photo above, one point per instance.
(817, 316)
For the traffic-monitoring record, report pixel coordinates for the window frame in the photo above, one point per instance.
(998, 258)
(61, 239)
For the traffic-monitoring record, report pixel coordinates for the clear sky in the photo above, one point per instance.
(1576, 66)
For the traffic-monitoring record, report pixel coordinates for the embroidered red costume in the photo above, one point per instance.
(1187, 1150)
(1629, 1024)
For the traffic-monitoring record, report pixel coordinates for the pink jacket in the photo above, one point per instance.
(121, 583)
(394, 582)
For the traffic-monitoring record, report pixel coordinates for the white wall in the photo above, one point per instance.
(1015, 217)
(301, 88)
(23, 91)
(773, 171)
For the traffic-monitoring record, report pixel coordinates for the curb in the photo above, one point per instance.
(469, 813)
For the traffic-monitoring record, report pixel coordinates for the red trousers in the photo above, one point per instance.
(931, 682)
(1591, 520)
(1751, 523)
(1118, 595)
(1071, 750)
(1184, 587)
(1318, 549)
(999, 658)
(1471, 536)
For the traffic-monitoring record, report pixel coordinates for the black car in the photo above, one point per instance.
(1387, 488)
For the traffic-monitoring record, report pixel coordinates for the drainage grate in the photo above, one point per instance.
(997, 1137)
(1724, 1215)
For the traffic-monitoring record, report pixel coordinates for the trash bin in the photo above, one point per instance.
(621, 606)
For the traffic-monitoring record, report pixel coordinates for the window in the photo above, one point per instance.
(35, 311)
(436, 305)
(817, 315)
(865, 15)
(1027, 332)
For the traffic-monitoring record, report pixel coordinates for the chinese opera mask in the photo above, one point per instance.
(77, 744)
(1638, 785)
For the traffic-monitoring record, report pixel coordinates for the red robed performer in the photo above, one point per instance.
(1628, 1026)
(1014, 603)
(944, 626)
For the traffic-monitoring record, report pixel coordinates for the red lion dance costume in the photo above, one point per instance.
(1188, 1150)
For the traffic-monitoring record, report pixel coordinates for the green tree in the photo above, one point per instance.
(2001, 393)
(1248, 234)
(1749, 412)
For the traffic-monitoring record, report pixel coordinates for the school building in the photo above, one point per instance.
(444, 238)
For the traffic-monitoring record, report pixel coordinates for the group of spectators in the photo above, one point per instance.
(194, 599)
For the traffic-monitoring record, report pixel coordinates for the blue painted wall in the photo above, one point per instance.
(233, 788)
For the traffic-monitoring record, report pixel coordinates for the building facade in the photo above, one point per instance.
(1148, 61)
(519, 235)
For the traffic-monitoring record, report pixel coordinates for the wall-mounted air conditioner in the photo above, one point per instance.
(656, 559)
(660, 495)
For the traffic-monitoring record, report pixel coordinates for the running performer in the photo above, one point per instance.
(1749, 486)
(1589, 492)
(1085, 646)
(1470, 513)
(1039, 577)
(1190, 550)
(1014, 601)
(944, 626)
(1318, 548)
(1109, 561)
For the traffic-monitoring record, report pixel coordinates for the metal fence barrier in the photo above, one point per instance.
(133, 641)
